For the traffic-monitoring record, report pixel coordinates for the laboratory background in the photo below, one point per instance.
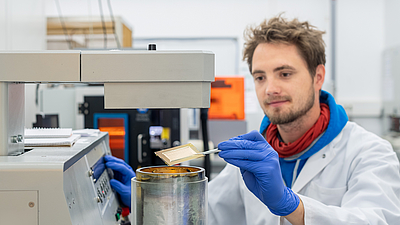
(362, 70)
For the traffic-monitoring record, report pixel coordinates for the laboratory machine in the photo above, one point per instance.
(70, 185)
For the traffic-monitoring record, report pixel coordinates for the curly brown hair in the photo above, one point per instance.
(306, 37)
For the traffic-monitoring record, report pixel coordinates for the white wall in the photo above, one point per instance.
(392, 23)
(23, 27)
(390, 60)
(360, 42)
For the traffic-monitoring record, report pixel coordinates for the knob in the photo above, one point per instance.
(14, 139)
(152, 47)
(176, 143)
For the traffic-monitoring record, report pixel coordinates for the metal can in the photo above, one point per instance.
(169, 195)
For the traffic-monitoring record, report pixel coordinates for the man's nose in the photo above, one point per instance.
(272, 87)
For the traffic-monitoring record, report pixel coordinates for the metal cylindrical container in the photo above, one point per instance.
(169, 195)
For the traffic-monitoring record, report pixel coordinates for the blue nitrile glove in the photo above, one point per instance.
(259, 165)
(123, 174)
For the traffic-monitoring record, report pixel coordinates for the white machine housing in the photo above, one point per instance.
(55, 185)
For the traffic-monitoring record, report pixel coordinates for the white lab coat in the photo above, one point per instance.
(355, 179)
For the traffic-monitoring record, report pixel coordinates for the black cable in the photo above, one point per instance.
(113, 24)
(204, 132)
(69, 41)
(103, 24)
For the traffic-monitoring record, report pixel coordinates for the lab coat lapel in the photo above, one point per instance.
(313, 166)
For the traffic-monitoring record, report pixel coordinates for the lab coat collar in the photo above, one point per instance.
(316, 163)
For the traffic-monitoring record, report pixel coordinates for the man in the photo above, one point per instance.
(309, 165)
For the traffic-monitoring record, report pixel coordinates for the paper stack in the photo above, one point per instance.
(50, 137)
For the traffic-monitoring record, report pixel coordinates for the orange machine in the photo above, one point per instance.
(227, 98)
(116, 130)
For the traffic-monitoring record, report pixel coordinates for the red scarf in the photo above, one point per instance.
(286, 150)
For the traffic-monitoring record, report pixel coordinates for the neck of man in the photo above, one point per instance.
(291, 132)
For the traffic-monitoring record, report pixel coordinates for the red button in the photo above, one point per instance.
(125, 212)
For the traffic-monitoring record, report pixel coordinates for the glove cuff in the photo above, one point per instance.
(289, 202)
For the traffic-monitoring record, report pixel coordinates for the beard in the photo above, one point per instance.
(278, 117)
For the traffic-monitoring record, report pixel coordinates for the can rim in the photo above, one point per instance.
(142, 170)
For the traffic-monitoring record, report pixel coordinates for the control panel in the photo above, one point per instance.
(103, 190)
(87, 189)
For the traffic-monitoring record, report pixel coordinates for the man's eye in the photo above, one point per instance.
(285, 74)
(259, 78)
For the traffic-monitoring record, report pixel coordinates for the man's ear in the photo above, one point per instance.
(319, 77)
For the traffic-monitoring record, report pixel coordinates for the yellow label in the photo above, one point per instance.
(165, 135)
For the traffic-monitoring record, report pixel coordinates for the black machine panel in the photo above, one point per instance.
(141, 142)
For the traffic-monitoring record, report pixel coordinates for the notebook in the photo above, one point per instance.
(48, 133)
(52, 142)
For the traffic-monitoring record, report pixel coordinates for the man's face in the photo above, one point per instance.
(285, 89)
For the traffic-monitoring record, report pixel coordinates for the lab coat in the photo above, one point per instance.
(355, 179)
